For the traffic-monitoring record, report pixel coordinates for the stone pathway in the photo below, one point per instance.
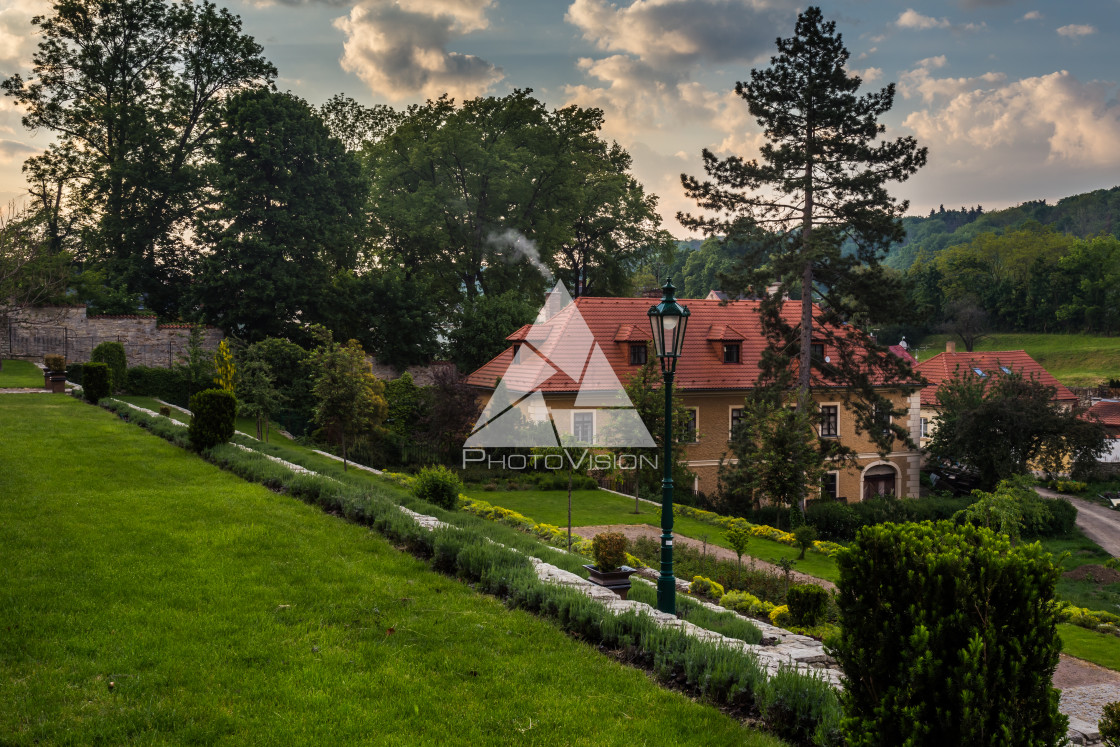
(1086, 689)
(634, 531)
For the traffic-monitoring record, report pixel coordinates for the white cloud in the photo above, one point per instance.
(12, 151)
(17, 36)
(1050, 118)
(1033, 15)
(870, 75)
(920, 83)
(1074, 30)
(399, 48)
(912, 19)
(664, 33)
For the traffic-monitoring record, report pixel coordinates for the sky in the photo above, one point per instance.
(1016, 100)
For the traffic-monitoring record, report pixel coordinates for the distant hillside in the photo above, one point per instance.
(1081, 215)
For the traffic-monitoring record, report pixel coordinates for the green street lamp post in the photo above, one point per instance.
(668, 320)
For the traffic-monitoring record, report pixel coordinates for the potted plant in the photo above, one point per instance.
(609, 549)
(54, 375)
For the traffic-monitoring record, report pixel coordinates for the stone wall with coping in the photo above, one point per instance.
(32, 333)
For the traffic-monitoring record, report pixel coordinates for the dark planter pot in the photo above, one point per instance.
(46, 378)
(617, 581)
(58, 383)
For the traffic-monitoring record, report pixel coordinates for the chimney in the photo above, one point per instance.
(950, 346)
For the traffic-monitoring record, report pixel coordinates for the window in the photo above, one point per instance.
(731, 352)
(925, 428)
(638, 355)
(689, 433)
(980, 372)
(583, 427)
(736, 418)
(816, 352)
(883, 417)
(1005, 369)
(830, 421)
(830, 485)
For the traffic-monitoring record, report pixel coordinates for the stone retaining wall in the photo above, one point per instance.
(69, 331)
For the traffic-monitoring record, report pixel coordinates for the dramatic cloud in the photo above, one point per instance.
(664, 33)
(1052, 117)
(1075, 30)
(402, 53)
(17, 38)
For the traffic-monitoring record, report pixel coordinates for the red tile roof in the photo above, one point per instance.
(614, 322)
(944, 366)
(1108, 411)
(903, 353)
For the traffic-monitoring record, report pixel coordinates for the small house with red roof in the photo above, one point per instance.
(949, 364)
(718, 366)
(1107, 411)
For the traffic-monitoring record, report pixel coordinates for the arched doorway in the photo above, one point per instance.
(880, 480)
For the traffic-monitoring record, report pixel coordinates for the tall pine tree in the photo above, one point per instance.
(816, 213)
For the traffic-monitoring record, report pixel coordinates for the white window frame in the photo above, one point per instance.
(594, 428)
(696, 430)
(730, 418)
(835, 474)
(820, 427)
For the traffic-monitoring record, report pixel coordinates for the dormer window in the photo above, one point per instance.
(516, 352)
(816, 352)
(638, 353)
(730, 352)
(980, 372)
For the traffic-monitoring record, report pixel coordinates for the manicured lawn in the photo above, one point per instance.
(20, 374)
(596, 507)
(1074, 360)
(1099, 648)
(224, 613)
(1086, 593)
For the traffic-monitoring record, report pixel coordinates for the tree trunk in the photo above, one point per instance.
(569, 510)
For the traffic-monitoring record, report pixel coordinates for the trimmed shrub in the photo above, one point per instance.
(165, 411)
(808, 604)
(97, 381)
(213, 412)
(112, 354)
(55, 362)
(705, 587)
(1063, 516)
(922, 605)
(804, 536)
(74, 373)
(609, 550)
(438, 485)
(1109, 725)
(169, 384)
(780, 616)
(746, 604)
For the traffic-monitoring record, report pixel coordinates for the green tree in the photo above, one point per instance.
(738, 537)
(948, 636)
(257, 395)
(499, 194)
(815, 211)
(482, 327)
(349, 398)
(131, 89)
(288, 218)
(1000, 425)
(775, 456)
(355, 125)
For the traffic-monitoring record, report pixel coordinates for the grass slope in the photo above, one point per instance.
(225, 613)
(1074, 360)
(21, 374)
(597, 507)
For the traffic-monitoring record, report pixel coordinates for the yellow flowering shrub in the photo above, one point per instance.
(705, 587)
(746, 603)
(780, 616)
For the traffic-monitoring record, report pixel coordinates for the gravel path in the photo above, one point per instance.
(1100, 524)
(634, 531)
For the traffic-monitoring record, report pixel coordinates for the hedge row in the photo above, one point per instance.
(169, 384)
(798, 707)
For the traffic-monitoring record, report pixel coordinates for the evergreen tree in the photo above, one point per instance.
(819, 185)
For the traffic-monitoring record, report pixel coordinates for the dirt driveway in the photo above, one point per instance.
(634, 531)
(1100, 524)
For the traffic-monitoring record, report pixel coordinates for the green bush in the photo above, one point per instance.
(74, 373)
(746, 604)
(55, 362)
(169, 384)
(112, 354)
(705, 587)
(213, 412)
(97, 381)
(805, 536)
(1063, 517)
(609, 550)
(438, 485)
(948, 636)
(808, 604)
(1109, 726)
